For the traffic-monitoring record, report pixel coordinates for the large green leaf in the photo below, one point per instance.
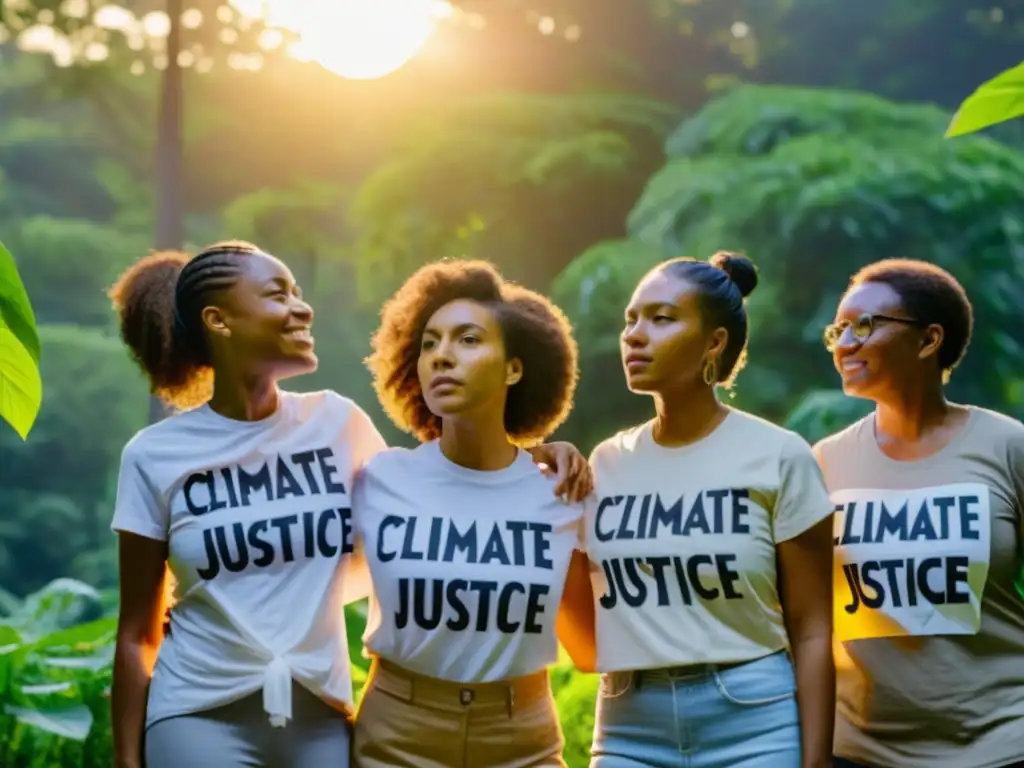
(21, 389)
(996, 101)
(15, 308)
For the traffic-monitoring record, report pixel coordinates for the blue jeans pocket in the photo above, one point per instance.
(757, 683)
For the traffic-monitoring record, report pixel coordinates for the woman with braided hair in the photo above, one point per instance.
(244, 496)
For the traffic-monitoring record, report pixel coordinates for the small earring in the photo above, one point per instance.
(710, 372)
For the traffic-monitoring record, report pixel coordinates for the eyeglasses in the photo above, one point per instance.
(862, 328)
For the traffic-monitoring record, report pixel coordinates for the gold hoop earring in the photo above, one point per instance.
(710, 372)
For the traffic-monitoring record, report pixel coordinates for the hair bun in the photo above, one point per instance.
(740, 270)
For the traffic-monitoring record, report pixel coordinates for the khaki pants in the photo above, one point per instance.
(407, 720)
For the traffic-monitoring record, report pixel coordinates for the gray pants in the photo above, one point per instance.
(239, 735)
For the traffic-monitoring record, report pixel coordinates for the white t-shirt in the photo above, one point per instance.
(258, 520)
(682, 542)
(468, 566)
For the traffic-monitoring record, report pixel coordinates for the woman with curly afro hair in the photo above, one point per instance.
(475, 571)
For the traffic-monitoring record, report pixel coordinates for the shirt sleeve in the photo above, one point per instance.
(139, 508)
(802, 499)
(356, 579)
(363, 436)
(1015, 457)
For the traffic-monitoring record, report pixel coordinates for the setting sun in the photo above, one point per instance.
(360, 39)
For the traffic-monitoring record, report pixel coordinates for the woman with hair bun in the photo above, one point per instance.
(245, 497)
(710, 544)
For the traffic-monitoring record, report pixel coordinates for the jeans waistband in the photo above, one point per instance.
(446, 694)
(691, 672)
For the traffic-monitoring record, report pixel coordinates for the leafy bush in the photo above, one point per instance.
(813, 185)
(56, 652)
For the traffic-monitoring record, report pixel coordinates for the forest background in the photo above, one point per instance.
(572, 142)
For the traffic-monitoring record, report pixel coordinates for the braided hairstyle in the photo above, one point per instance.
(159, 302)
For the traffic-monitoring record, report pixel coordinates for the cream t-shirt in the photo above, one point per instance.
(929, 628)
(258, 521)
(468, 566)
(682, 542)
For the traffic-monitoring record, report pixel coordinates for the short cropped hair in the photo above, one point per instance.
(533, 330)
(930, 295)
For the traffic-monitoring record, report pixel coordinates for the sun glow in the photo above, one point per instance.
(359, 39)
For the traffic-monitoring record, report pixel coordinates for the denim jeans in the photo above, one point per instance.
(699, 717)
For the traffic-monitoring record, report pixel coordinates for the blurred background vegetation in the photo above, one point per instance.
(572, 142)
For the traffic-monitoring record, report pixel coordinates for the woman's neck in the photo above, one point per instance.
(244, 399)
(477, 444)
(912, 413)
(686, 417)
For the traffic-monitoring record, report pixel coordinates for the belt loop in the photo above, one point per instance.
(511, 701)
(638, 679)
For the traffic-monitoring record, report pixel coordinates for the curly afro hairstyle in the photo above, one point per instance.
(533, 330)
(930, 295)
(159, 302)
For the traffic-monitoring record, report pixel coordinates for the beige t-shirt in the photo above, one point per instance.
(929, 628)
(682, 542)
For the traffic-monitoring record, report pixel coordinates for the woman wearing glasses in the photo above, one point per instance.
(929, 500)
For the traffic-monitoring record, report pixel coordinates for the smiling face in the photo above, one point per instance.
(664, 343)
(262, 321)
(462, 365)
(877, 347)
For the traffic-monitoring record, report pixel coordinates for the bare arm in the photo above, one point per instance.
(142, 566)
(805, 582)
(575, 621)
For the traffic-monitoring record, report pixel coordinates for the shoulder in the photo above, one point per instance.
(753, 433)
(328, 405)
(165, 434)
(394, 462)
(752, 427)
(843, 439)
(999, 425)
(321, 401)
(622, 443)
(1000, 433)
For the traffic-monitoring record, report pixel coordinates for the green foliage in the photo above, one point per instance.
(823, 412)
(814, 185)
(21, 389)
(498, 177)
(576, 700)
(302, 220)
(56, 654)
(593, 291)
(70, 263)
(56, 650)
(58, 484)
(995, 101)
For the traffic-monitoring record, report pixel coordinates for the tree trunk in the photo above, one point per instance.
(170, 214)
